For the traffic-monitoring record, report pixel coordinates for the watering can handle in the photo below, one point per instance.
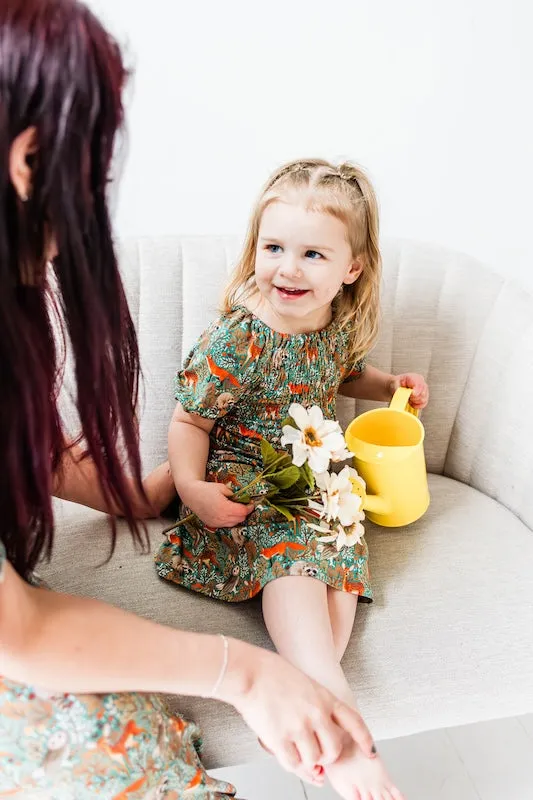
(400, 401)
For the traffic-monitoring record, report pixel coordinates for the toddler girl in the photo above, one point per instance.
(300, 315)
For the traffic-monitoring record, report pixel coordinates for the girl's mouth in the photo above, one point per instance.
(290, 294)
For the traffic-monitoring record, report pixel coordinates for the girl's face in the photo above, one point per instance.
(302, 260)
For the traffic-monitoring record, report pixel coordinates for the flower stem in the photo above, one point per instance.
(262, 476)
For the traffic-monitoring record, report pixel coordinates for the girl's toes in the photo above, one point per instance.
(313, 775)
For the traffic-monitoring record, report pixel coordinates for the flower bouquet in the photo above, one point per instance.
(299, 486)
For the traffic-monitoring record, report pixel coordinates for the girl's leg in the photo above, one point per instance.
(342, 607)
(297, 615)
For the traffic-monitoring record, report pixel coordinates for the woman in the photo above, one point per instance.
(93, 731)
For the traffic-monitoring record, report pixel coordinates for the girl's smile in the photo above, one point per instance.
(303, 259)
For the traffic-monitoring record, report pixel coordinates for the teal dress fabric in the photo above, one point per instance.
(111, 747)
(244, 376)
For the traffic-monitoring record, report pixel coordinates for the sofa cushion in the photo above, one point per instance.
(448, 640)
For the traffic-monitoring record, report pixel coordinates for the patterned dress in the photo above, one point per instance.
(112, 747)
(244, 375)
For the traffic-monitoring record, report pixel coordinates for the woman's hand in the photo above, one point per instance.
(210, 503)
(77, 480)
(160, 491)
(411, 380)
(301, 722)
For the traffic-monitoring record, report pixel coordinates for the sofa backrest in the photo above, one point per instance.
(443, 314)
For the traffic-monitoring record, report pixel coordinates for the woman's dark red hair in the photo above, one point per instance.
(61, 73)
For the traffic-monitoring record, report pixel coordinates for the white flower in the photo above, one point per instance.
(358, 484)
(322, 528)
(341, 455)
(349, 537)
(342, 536)
(338, 497)
(314, 440)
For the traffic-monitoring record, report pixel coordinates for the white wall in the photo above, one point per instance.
(433, 98)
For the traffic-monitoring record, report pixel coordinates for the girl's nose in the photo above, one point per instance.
(289, 267)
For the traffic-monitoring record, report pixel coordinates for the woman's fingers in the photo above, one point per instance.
(309, 749)
(396, 794)
(352, 722)
(289, 757)
(331, 740)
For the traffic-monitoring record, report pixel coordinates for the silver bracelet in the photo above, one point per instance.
(224, 667)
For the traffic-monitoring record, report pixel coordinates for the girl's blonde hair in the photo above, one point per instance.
(346, 193)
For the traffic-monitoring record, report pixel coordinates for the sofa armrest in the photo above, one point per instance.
(491, 445)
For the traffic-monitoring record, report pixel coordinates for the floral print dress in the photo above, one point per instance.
(244, 376)
(112, 747)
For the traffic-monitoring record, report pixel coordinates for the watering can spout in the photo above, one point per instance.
(376, 504)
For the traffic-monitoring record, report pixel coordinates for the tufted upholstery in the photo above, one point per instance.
(453, 617)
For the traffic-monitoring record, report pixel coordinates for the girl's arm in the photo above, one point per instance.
(380, 386)
(373, 384)
(188, 450)
(77, 480)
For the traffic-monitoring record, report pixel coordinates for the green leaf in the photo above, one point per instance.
(268, 454)
(243, 498)
(286, 478)
(283, 511)
(306, 482)
(308, 475)
(285, 460)
(289, 421)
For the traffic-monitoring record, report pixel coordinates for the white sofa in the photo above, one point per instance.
(449, 638)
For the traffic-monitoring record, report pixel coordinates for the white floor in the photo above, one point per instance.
(486, 761)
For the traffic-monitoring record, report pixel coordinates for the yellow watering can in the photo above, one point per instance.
(388, 448)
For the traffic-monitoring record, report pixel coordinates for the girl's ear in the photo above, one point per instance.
(20, 170)
(356, 268)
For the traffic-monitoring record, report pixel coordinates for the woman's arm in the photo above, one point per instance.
(77, 480)
(72, 644)
(188, 450)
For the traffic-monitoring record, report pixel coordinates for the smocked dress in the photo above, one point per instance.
(244, 376)
(111, 747)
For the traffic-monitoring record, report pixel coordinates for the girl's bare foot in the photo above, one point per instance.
(313, 775)
(356, 777)
(316, 776)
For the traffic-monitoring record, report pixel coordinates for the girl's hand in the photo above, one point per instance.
(210, 503)
(411, 380)
(301, 722)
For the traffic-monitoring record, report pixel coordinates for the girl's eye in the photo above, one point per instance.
(313, 255)
(273, 248)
